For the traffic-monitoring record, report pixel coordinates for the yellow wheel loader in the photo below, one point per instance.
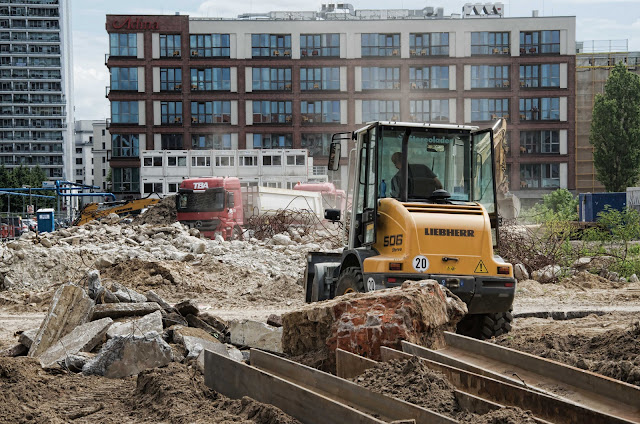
(424, 206)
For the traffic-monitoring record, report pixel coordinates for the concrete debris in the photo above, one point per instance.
(216, 322)
(520, 272)
(274, 320)
(125, 294)
(179, 334)
(82, 339)
(76, 362)
(194, 321)
(26, 337)
(187, 307)
(13, 351)
(634, 279)
(256, 334)
(137, 327)
(94, 284)
(104, 295)
(173, 318)
(122, 310)
(124, 356)
(547, 274)
(227, 350)
(70, 307)
(154, 297)
(281, 240)
(46, 243)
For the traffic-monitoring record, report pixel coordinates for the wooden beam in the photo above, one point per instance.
(349, 365)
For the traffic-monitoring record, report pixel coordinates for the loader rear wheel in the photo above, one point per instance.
(486, 326)
(350, 281)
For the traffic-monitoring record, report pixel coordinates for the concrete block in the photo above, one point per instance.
(125, 294)
(173, 318)
(124, 356)
(137, 327)
(70, 307)
(274, 320)
(154, 297)
(223, 349)
(104, 295)
(27, 337)
(13, 351)
(94, 285)
(214, 321)
(256, 334)
(74, 363)
(196, 322)
(188, 307)
(121, 310)
(83, 338)
(180, 333)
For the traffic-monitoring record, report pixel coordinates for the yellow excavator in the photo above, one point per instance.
(93, 211)
(424, 206)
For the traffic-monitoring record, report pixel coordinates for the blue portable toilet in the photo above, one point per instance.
(46, 223)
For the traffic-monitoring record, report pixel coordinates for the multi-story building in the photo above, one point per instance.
(594, 62)
(101, 150)
(83, 155)
(36, 124)
(288, 80)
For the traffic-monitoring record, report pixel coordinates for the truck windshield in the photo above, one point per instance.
(212, 200)
(436, 159)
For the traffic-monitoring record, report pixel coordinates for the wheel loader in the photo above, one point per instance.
(424, 206)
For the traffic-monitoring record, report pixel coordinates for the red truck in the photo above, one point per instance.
(213, 205)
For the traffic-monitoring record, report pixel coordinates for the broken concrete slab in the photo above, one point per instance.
(125, 294)
(173, 318)
(179, 333)
(70, 307)
(94, 285)
(13, 351)
(104, 295)
(223, 349)
(274, 320)
(256, 334)
(188, 307)
(137, 327)
(26, 337)
(154, 297)
(196, 322)
(74, 363)
(124, 356)
(216, 322)
(83, 338)
(121, 310)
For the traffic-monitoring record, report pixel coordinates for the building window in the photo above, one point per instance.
(79, 172)
(429, 44)
(200, 161)
(170, 45)
(540, 109)
(272, 141)
(124, 112)
(152, 161)
(211, 141)
(225, 161)
(546, 75)
(539, 175)
(216, 112)
(489, 109)
(79, 150)
(295, 160)
(171, 142)
(123, 44)
(124, 145)
(489, 43)
(429, 77)
(270, 45)
(78, 161)
(266, 112)
(429, 110)
(126, 180)
(316, 144)
(172, 187)
(380, 45)
(319, 79)
(152, 188)
(540, 42)
(271, 79)
(247, 160)
(380, 78)
(489, 76)
(209, 45)
(210, 79)
(124, 79)
(269, 160)
(327, 111)
(380, 110)
(319, 45)
(170, 79)
(171, 113)
(539, 142)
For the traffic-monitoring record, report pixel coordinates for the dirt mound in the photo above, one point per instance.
(586, 280)
(162, 213)
(614, 353)
(508, 415)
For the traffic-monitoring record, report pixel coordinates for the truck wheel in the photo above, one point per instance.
(486, 326)
(350, 281)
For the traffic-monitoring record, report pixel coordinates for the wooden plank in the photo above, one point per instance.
(550, 408)
(349, 365)
(345, 391)
(236, 379)
(585, 380)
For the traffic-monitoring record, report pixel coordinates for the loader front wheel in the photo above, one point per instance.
(486, 326)
(350, 281)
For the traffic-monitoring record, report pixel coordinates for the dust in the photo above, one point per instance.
(160, 214)
(175, 394)
(589, 343)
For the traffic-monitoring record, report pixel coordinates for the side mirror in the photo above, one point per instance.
(332, 214)
(334, 156)
(230, 199)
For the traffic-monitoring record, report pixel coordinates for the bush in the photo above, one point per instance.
(557, 206)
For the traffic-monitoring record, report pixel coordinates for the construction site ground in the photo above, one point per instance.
(253, 279)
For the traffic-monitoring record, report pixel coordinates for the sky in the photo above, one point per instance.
(595, 20)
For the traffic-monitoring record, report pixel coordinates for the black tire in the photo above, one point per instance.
(236, 233)
(486, 326)
(350, 281)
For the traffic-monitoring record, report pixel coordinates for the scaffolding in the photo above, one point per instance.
(594, 61)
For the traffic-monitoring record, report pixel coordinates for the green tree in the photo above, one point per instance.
(615, 130)
(559, 205)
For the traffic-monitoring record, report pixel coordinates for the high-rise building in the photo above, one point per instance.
(36, 123)
(261, 84)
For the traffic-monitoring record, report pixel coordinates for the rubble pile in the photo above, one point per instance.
(114, 331)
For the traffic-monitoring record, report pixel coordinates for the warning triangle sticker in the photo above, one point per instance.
(481, 268)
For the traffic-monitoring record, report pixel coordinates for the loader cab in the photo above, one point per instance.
(418, 163)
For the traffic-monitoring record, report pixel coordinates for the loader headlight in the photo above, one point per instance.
(369, 232)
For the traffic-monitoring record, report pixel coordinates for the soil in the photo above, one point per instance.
(607, 344)
(162, 213)
(175, 394)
